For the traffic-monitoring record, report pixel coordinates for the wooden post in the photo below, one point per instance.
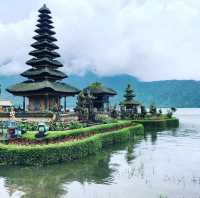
(108, 105)
(24, 103)
(65, 103)
(48, 103)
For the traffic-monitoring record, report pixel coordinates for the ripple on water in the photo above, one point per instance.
(164, 163)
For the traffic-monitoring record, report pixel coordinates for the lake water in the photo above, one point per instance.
(162, 165)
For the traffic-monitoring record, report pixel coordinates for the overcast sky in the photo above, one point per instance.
(149, 39)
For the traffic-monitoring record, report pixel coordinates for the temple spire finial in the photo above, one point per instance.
(44, 9)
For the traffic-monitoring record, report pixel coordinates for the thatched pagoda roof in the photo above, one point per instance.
(43, 62)
(46, 52)
(24, 88)
(44, 44)
(31, 73)
(99, 89)
(132, 102)
(44, 36)
(44, 9)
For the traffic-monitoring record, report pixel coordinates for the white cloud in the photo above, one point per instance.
(152, 40)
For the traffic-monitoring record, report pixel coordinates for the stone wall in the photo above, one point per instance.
(39, 117)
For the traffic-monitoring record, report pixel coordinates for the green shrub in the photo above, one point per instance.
(28, 126)
(76, 125)
(58, 126)
(159, 124)
(173, 122)
(83, 132)
(53, 126)
(57, 153)
(105, 119)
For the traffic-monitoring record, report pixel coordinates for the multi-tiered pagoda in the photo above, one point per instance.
(130, 103)
(43, 87)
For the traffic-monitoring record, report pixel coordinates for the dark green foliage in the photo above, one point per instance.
(174, 123)
(153, 109)
(85, 107)
(114, 113)
(76, 125)
(159, 124)
(160, 111)
(143, 111)
(105, 119)
(169, 114)
(28, 126)
(58, 126)
(57, 153)
(53, 126)
(173, 109)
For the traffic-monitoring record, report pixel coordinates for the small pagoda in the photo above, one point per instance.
(101, 95)
(129, 102)
(44, 88)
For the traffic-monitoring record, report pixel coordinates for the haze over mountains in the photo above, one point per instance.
(178, 93)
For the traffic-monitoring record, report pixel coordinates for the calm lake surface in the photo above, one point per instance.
(163, 164)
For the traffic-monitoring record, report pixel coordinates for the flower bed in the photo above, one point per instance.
(70, 135)
(57, 153)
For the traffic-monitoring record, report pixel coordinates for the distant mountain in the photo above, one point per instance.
(178, 93)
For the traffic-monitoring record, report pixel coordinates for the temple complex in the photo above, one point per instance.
(101, 95)
(44, 88)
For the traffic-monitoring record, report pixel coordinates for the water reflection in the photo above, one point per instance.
(162, 163)
(49, 180)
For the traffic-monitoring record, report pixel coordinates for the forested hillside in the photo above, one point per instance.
(178, 93)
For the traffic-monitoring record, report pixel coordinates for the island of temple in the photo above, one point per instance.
(44, 88)
(45, 132)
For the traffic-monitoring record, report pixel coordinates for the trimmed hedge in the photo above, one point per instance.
(159, 124)
(57, 153)
(83, 132)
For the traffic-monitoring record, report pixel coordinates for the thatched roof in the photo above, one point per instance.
(132, 102)
(44, 9)
(31, 86)
(99, 88)
(44, 44)
(44, 61)
(44, 71)
(44, 36)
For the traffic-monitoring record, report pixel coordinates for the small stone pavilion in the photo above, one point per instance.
(44, 88)
(101, 95)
